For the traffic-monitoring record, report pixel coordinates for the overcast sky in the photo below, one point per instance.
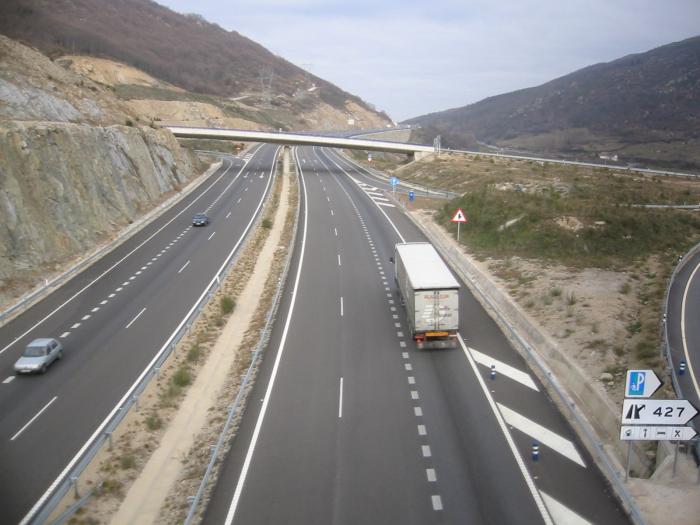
(412, 57)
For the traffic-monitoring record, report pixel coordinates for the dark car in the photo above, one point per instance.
(200, 220)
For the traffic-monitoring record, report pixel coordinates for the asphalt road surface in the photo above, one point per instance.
(112, 319)
(349, 423)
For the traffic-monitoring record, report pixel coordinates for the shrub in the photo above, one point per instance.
(153, 422)
(267, 223)
(227, 304)
(127, 462)
(182, 377)
(194, 353)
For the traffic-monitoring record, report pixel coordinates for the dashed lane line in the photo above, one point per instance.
(545, 436)
(430, 474)
(504, 369)
(8, 380)
(134, 319)
(561, 514)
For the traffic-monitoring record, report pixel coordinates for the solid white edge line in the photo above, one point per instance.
(79, 292)
(688, 362)
(261, 416)
(184, 266)
(47, 405)
(134, 319)
(539, 503)
(342, 309)
(340, 400)
(30, 515)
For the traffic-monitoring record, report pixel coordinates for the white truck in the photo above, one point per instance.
(430, 294)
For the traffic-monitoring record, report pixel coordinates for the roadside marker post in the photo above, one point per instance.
(493, 371)
(535, 451)
(681, 368)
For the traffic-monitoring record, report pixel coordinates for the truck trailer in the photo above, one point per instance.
(429, 293)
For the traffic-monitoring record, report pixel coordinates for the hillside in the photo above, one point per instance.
(183, 50)
(76, 167)
(644, 107)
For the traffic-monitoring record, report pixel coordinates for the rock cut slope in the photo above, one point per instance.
(76, 167)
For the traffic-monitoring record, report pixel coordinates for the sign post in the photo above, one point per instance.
(645, 419)
(394, 182)
(459, 218)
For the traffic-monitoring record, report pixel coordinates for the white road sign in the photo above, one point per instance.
(644, 433)
(459, 216)
(657, 412)
(641, 383)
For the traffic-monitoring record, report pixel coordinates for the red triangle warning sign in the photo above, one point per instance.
(459, 216)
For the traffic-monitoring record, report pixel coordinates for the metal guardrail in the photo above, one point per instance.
(68, 479)
(453, 257)
(31, 297)
(235, 408)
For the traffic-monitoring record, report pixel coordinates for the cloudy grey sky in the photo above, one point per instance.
(412, 57)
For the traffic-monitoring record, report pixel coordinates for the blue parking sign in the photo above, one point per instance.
(411, 196)
(636, 383)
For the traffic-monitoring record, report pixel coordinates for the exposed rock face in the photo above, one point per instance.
(71, 172)
(64, 187)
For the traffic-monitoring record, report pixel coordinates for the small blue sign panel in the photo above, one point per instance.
(394, 181)
(411, 196)
(636, 383)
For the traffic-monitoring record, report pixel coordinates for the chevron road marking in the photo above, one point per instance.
(504, 369)
(561, 514)
(545, 436)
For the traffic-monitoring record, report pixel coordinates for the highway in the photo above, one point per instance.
(683, 329)
(112, 319)
(348, 423)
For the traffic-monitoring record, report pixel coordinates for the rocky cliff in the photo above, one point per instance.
(76, 167)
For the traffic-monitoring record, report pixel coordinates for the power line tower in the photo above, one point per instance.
(436, 145)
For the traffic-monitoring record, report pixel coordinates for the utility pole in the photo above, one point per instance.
(436, 145)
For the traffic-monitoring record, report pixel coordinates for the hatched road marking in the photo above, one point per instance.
(504, 369)
(545, 436)
(560, 514)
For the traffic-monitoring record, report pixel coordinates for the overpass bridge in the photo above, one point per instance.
(415, 151)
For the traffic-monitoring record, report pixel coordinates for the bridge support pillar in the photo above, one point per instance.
(418, 155)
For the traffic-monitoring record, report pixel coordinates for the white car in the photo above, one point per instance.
(38, 355)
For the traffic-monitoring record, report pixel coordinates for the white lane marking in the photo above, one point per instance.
(545, 436)
(386, 205)
(119, 289)
(79, 292)
(132, 278)
(504, 369)
(340, 400)
(381, 200)
(125, 283)
(392, 308)
(228, 215)
(112, 295)
(19, 432)
(96, 309)
(402, 344)
(273, 375)
(64, 335)
(397, 325)
(184, 266)
(560, 514)
(85, 317)
(328, 198)
(430, 474)
(246, 189)
(212, 235)
(411, 380)
(336, 231)
(688, 362)
(394, 316)
(8, 380)
(76, 325)
(134, 319)
(425, 450)
(104, 302)
(341, 307)
(437, 502)
(139, 272)
(414, 394)
(239, 200)
(408, 367)
(144, 268)
(400, 334)
(418, 411)
(339, 263)
(332, 212)
(404, 355)
(422, 431)
(509, 439)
